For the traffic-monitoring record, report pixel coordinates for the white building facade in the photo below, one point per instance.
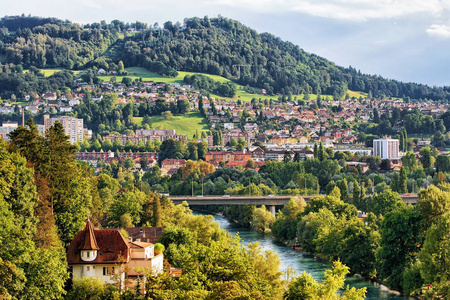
(386, 148)
(73, 127)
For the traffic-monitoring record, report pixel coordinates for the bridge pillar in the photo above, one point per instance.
(272, 209)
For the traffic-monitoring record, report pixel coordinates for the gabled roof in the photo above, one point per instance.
(145, 234)
(111, 247)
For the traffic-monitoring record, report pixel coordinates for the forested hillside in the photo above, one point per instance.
(217, 46)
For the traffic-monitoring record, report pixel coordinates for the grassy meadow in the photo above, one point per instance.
(187, 124)
(139, 72)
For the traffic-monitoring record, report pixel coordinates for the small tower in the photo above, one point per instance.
(88, 245)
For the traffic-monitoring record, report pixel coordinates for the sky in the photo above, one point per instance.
(405, 40)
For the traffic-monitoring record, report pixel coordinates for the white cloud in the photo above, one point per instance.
(441, 31)
(354, 10)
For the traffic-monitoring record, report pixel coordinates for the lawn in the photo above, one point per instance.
(138, 72)
(187, 124)
(51, 71)
(420, 136)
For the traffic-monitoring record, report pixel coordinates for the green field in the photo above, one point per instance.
(51, 71)
(187, 124)
(139, 72)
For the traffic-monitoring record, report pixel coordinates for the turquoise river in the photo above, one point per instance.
(303, 262)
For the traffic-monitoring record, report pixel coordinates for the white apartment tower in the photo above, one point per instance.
(386, 148)
(73, 127)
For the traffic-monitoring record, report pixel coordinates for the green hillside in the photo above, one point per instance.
(222, 47)
(139, 72)
(187, 124)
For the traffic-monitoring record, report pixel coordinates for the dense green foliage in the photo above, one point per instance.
(391, 248)
(217, 46)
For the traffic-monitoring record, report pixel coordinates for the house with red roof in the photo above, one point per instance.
(104, 254)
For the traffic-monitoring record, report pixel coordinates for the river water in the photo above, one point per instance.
(301, 261)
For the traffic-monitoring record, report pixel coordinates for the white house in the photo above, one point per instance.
(104, 254)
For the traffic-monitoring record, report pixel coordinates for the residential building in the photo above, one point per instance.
(214, 157)
(386, 148)
(104, 254)
(171, 165)
(73, 127)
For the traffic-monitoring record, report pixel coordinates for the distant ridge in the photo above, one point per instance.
(217, 46)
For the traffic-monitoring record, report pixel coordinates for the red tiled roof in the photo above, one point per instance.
(112, 247)
(88, 241)
(145, 234)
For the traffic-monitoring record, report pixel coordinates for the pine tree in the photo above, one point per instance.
(376, 116)
(356, 194)
(394, 182)
(157, 211)
(405, 139)
(402, 184)
(343, 186)
(322, 153)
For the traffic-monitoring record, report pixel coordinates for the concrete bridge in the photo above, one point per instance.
(269, 201)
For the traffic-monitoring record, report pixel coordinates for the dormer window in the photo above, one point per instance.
(88, 255)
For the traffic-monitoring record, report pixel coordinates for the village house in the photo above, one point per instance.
(214, 157)
(106, 255)
(171, 165)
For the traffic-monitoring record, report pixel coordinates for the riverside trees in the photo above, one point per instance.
(390, 245)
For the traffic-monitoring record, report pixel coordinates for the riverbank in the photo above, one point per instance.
(300, 261)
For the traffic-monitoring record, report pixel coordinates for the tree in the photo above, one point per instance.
(183, 106)
(167, 115)
(305, 287)
(120, 67)
(442, 163)
(202, 149)
(25, 256)
(426, 157)
(250, 164)
(321, 153)
(402, 184)
(171, 149)
(357, 246)
(410, 161)
(394, 182)
(433, 203)
(435, 258)
(356, 194)
(400, 232)
(262, 218)
(437, 139)
(385, 202)
(343, 187)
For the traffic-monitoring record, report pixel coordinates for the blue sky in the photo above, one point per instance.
(406, 40)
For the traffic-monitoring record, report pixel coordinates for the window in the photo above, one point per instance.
(88, 268)
(108, 271)
(88, 254)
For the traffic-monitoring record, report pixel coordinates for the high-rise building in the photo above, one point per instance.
(386, 148)
(73, 127)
